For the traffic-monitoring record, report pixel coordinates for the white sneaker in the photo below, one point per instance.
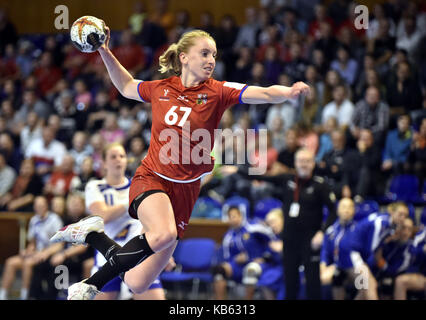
(77, 232)
(82, 291)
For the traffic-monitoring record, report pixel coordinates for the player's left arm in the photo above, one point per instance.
(273, 94)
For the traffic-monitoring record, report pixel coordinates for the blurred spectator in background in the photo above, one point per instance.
(307, 138)
(162, 15)
(11, 151)
(86, 173)
(333, 165)
(46, 73)
(382, 44)
(32, 129)
(59, 183)
(296, 67)
(137, 18)
(403, 92)
(272, 65)
(57, 205)
(247, 33)
(80, 150)
(321, 15)
(277, 134)
(130, 54)
(345, 65)
(311, 109)
(7, 177)
(332, 80)
(287, 110)
(326, 42)
(27, 185)
(371, 113)
(285, 160)
(42, 227)
(32, 103)
(82, 98)
(207, 23)
(97, 144)
(110, 131)
(397, 148)
(325, 144)
(8, 66)
(340, 108)
(137, 152)
(409, 37)
(363, 167)
(46, 151)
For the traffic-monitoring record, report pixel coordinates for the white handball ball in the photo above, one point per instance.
(88, 33)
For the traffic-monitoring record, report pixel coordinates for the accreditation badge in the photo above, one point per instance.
(294, 210)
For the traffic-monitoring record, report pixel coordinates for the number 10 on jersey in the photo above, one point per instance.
(171, 116)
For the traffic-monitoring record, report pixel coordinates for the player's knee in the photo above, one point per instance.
(162, 239)
(219, 273)
(251, 273)
(401, 281)
(137, 286)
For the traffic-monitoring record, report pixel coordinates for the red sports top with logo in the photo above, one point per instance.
(179, 151)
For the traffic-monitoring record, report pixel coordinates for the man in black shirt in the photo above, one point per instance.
(304, 196)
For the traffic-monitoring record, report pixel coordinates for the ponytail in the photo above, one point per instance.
(169, 60)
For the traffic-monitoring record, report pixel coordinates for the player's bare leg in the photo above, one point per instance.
(220, 283)
(153, 294)
(409, 281)
(139, 278)
(12, 265)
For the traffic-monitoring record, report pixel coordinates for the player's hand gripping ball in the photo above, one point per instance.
(88, 33)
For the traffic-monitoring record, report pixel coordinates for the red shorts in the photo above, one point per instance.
(182, 195)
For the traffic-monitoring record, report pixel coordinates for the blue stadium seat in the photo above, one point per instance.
(404, 188)
(206, 207)
(236, 201)
(263, 206)
(193, 258)
(365, 208)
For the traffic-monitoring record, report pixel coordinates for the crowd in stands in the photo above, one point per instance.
(364, 118)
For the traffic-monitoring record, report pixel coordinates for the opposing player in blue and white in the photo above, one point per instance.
(414, 278)
(107, 200)
(243, 243)
(369, 234)
(266, 272)
(335, 260)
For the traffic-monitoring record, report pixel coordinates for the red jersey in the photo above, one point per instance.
(179, 151)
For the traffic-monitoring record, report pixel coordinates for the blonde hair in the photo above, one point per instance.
(169, 60)
(109, 147)
(275, 213)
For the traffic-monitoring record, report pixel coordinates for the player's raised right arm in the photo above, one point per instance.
(120, 77)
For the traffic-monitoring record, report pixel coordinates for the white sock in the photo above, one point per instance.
(3, 294)
(24, 294)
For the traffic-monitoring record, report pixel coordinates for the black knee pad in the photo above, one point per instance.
(339, 278)
(219, 272)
